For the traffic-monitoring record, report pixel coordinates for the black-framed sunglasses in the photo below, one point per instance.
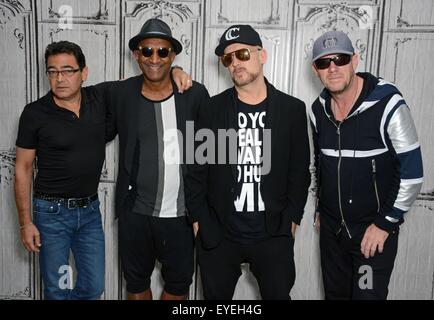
(149, 51)
(241, 54)
(53, 74)
(339, 60)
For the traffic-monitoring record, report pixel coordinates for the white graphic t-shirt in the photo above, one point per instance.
(247, 222)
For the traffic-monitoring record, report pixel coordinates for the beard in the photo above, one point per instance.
(245, 78)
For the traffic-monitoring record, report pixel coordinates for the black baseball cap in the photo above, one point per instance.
(155, 28)
(240, 33)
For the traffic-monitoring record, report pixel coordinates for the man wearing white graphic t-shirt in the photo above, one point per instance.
(247, 209)
(248, 223)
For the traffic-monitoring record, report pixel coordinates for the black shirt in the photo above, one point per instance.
(159, 185)
(70, 151)
(247, 223)
(145, 161)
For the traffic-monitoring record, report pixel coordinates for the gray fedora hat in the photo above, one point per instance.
(155, 28)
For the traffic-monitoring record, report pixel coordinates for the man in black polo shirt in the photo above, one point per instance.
(65, 131)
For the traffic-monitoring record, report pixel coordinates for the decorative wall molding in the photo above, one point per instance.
(400, 23)
(20, 36)
(360, 48)
(9, 9)
(164, 9)
(100, 15)
(398, 42)
(54, 31)
(401, 41)
(272, 19)
(425, 200)
(403, 24)
(21, 294)
(104, 174)
(186, 44)
(308, 47)
(7, 167)
(339, 14)
(98, 33)
(271, 14)
(426, 196)
(273, 39)
(402, 17)
(98, 12)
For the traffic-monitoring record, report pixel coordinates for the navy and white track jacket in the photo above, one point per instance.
(369, 166)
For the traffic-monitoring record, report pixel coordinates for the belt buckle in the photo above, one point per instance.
(72, 203)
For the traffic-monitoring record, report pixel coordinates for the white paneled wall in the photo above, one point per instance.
(394, 37)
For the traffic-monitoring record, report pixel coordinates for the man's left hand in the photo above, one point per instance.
(374, 238)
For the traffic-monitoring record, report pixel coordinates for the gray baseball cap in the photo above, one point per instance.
(332, 42)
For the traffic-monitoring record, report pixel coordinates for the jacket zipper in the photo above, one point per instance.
(343, 223)
(338, 132)
(374, 178)
(339, 182)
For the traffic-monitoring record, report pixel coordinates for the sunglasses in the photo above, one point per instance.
(241, 54)
(149, 51)
(339, 60)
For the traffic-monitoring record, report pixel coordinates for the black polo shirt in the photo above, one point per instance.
(70, 151)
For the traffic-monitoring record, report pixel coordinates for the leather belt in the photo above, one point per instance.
(71, 203)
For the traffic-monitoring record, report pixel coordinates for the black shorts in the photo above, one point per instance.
(143, 239)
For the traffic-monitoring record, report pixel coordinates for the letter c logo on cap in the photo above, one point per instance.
(230, 34)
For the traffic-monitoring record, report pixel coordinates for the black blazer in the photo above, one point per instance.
(210, 187)
(123, 99)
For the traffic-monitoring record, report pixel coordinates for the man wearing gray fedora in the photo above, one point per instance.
(146, 111)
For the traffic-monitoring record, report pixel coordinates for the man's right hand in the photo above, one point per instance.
(195, 228)
(31, 238)
(182, 79)
(317, 222)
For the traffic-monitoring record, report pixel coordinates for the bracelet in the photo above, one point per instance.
(26, 225)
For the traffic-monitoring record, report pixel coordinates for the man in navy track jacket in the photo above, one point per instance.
(368, 168)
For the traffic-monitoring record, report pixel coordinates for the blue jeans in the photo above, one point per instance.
(63, 230)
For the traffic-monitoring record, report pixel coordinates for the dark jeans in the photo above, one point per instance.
(271, 262)
(347, 274)
(64, 230)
